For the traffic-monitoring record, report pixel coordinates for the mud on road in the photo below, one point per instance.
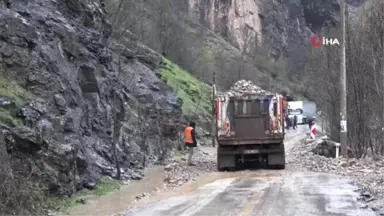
(264, 193)
(201, 191)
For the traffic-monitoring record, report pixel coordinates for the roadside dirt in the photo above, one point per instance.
(119, 201)
(158, 183)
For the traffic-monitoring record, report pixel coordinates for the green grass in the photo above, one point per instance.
(8, 118)
(12, 90)
(17, 96)
(64, 204)
(196, 96)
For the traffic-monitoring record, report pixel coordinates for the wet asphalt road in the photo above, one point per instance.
(265, 193)
(269, 193)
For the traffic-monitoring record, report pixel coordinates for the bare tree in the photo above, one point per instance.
(119, 112)
(324, 60)
(365, 81)
(168, 20)
(20, 192)
(143, 129)
(128, 15)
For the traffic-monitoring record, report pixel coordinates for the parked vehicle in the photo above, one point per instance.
(309, 112)
(296, 108)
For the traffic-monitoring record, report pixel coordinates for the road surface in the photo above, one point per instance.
(264, 193)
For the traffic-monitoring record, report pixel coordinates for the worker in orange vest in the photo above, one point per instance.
(190, 141)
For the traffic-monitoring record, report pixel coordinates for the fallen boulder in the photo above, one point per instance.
(326, 148)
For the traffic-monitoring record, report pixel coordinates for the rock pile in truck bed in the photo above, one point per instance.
(244, 87)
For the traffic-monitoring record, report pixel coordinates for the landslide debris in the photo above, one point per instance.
(366, 173)
(179, 173)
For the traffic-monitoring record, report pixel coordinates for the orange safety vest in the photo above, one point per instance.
(188, 135)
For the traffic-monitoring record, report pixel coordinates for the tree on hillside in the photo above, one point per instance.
(168, 19)
(325, 60)
(128, 15)
(222, 62)
(205, 65)
(365, 82)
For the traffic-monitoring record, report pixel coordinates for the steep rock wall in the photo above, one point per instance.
(85, 95)
(281, 26)
(236, 20)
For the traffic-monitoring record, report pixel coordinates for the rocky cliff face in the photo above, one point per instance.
(86, 94)
(282, 26)
(236, 20)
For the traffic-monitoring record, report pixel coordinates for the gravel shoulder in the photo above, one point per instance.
(367, 173)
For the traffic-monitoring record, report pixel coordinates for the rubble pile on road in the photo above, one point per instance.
(324, 147)
(243, 87)
(178, 172)
(366, 173)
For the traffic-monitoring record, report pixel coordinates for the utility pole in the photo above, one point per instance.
(343, 86)
(213, 131)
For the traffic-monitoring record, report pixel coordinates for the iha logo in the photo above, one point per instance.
(318, 41)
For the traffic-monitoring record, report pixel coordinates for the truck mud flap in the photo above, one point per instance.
(225, 162)
(276, 158)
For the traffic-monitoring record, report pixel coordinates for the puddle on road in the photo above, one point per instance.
(122, 200)
(118, 201)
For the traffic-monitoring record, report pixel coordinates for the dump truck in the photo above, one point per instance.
(250, 128)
